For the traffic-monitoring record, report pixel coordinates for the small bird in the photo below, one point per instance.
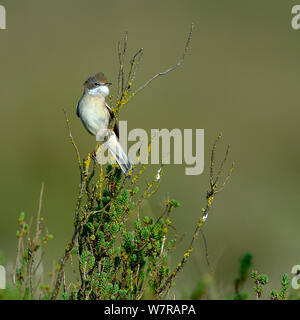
(96, 116)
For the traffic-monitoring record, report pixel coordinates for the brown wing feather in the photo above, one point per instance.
(112, 116)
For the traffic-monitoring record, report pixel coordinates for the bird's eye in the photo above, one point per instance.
(96, 84)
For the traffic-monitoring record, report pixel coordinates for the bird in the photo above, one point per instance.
(97, 117)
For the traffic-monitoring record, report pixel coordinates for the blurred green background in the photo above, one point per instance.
(240, 78)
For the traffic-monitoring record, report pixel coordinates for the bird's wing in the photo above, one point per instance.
(112, 116)
(77, 108)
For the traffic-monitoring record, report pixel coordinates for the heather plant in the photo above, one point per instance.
(118, 254)
(114, 252)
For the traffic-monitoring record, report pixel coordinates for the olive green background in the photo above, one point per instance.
(240, 78)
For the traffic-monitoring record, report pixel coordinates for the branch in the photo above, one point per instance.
(123, 98)
(72, 140)
(121, 54)
(38, 219)
(186, 48)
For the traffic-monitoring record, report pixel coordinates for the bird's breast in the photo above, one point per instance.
(93, 113)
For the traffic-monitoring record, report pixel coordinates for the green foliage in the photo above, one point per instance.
(120, 259)
(199, 290)
(260, 280)
(285, 285)
(30, 252)
(119, 254)
(244, 267)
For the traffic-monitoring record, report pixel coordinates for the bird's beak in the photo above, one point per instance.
(108, 84)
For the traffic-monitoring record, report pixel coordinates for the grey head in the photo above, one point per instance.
(97, 85)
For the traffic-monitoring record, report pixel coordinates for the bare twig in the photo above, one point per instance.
(212, 160)
(20, 244)
(186, 48)
(134, 67)
(121, 54)
(38, 218)
(222, 165)
(122, 98)
(206, 250)
(73, 141)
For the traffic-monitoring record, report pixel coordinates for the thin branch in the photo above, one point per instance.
(186, 48)
(121, 54)
(122, 98)
(227, 178)
(38, 218)
(206, 250)
(20, 243)
(72, 140)
(134, 67)
(212, 160)
(222, 165)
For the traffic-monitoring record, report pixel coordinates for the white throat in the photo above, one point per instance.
(102, 91)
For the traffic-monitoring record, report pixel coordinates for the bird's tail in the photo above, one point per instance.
(115, 148)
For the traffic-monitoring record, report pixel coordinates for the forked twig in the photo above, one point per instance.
(186, 48)
(124, 90)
